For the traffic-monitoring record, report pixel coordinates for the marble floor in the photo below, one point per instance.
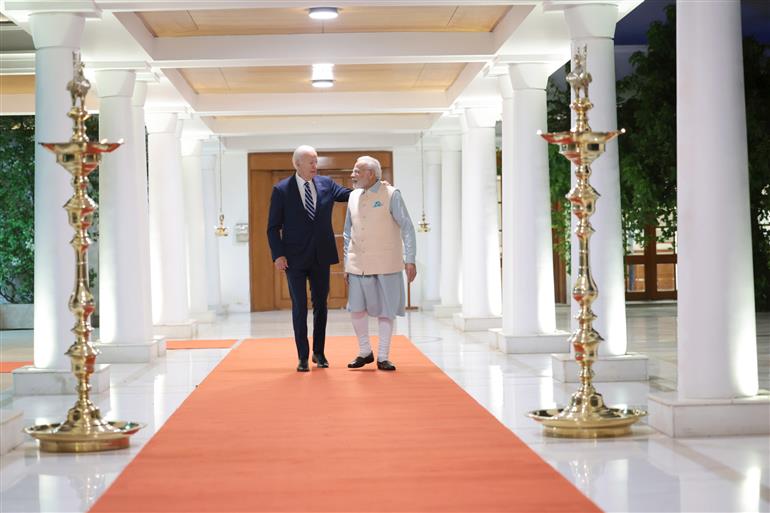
(645, 472)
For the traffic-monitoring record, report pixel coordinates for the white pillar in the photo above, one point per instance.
(55, 36)
(529, 310)
(716, 328)
(168, 255)
(432, 195)
(210, 220)
(195, 228)
(451, 226)
(593, 26)
(508, 186)
(143, 212)
(481, 303)
(124, 336)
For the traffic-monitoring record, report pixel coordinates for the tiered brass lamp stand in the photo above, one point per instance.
(586, 415)
(84, 430)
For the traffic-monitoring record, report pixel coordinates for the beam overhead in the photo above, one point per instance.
(244, 66)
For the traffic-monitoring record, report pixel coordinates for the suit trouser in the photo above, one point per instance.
(318, 275)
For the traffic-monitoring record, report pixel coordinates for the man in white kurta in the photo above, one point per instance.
(379, 246)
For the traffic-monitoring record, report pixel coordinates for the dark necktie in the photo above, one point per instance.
(309, 202)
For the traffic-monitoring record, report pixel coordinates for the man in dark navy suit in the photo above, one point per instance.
(299, 230)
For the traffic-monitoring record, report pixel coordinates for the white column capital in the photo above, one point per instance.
(208, 162)
(505, 86)
(56, 29)
(114, 82)
(453, 142)
(140, 94)
(479, 117)
(591, 20)
(191, 147)
(530, 75)
(432, 157)
(161, 122)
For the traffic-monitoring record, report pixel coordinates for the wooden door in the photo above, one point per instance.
(269, 289)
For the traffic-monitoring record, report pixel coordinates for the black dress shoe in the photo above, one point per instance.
(360, 361)
(387, 365)
(302, 366)
(320, 360)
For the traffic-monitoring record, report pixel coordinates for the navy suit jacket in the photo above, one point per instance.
(292, 234)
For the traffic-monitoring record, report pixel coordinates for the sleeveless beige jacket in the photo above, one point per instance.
(375, 238)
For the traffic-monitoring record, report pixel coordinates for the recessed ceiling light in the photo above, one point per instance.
(323, 75)
(323, 13)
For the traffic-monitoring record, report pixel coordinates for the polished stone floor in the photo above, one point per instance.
(644, 472)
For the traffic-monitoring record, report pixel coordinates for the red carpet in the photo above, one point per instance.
(257, 436)
(10, 366)
(200, 344)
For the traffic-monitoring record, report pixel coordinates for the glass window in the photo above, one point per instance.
(666, 277)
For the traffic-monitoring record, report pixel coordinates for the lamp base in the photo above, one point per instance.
(52, 439)
(603, 423)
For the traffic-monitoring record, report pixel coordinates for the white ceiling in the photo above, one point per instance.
(116, 36)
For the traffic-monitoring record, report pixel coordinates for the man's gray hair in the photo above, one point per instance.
(372, 164)
(299, 152)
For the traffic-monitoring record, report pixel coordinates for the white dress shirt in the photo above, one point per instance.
(301, 184)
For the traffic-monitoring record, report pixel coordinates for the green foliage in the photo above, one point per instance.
(647, 109)
(756, 76)
(559, 168)
(17, 229)
(17, 174)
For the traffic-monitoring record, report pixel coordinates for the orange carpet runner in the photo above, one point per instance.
(11, 366)
(257, 436)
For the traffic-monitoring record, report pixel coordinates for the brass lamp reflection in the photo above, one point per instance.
(586, 415)
(84, 430)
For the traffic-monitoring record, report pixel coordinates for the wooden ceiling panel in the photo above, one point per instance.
(377, 77)
(392, 19)
(348, 78)
(232, 22)
(170, 22)
(475, 19)
(254, 21)
(17, 84)
(206, 80)
(286, 79)
(439, 76)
